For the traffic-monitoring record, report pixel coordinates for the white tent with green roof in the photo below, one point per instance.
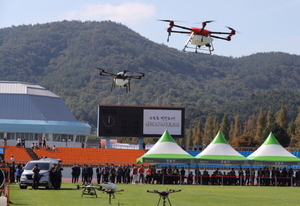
(166, 150)
(220, 152)
(271, 152)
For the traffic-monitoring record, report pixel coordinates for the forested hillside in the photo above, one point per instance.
(62, 57)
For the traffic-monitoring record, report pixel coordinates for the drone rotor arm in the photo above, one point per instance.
(181, 32)
(183, 27)
(217, 37)
(104, 73)
(226, 33)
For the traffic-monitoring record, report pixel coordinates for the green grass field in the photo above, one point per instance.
(137, 195)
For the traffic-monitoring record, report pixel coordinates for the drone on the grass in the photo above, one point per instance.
(110, 189)
(200, 37)
(89, 189)
(164, 195)
(121, 79)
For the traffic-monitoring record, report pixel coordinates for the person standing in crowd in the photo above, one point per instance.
(175, 174)
(77, 174)
(12, 159)
(297, 177)
(134, 174)
(205, 178)
(36, 176)
(197, 176)
(154, 175)
(19, 142)
(127, 174)
(23, 142)
(85, 174)
(182, 175)
(12, 167)
(55, 176)
(19, 171)
(105, 173)
(241, 176)
(149, 174)
(290, 177)
(247, 176)
(44, 141)
(169, 177)
(190, 178)
(73, 173)
(98, 174)
(4, 142)
(119, 174)
(90, 174)
(59, 175)
(40, 141)
(112, 174)
(159, 177)
(141, 172)
(252, 176)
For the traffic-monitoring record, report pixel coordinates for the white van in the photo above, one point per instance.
(45, 165)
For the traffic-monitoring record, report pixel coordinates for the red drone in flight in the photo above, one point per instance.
(199, 37)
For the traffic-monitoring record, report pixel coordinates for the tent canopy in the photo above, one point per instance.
(271, 152)
(166, 150)
(220, 152)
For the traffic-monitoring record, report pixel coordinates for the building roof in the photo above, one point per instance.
(25, 101)
(14, 87)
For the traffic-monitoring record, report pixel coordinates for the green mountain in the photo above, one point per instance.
(62, 56)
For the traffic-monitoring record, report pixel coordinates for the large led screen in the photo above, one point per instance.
(140, 121)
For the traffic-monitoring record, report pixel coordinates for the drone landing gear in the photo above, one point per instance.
(197, 48)
(89, 191)
(110, 194)
(164, 196)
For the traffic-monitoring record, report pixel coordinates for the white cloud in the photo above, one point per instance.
(129, 13)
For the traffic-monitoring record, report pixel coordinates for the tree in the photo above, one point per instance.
(237, 126)
(282, 118)
(295, 140)
(189, 141)
(244, 141)
(208, 130)
(216, 126)
(279, 132)
(250, 126)
(198, 134)
(270, 117)
(225, 126)
(260, 125)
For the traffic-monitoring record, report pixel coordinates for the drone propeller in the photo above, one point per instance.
(169, 30)
(233, 32)
(205, 22)
(101, 70)
(203, 26)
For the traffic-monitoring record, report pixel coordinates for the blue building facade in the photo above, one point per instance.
(32, 112)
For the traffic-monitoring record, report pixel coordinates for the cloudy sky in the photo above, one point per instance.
(263, 26)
